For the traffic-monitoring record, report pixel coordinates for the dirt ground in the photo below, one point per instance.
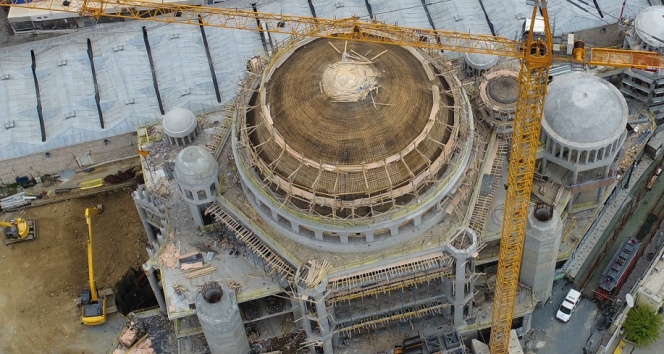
(41, 278)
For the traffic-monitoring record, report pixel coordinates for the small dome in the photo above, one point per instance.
(480, 61)
(179, 123)
(503, 89)
(584, 109)
(649, 25)
(195, 166)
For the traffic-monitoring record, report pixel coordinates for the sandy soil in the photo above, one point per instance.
(41, 278)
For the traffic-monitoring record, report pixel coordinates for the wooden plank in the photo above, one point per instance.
(188, 266)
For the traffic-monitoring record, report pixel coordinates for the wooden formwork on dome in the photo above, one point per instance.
(351, 159)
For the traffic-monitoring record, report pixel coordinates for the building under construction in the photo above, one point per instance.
(331, 188)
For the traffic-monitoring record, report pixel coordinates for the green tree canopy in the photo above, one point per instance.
(642, 325)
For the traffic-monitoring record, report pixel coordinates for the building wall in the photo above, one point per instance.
(65, 158)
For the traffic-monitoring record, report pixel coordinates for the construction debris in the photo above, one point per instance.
(203, 271)
(204, 247)
(143, 346)
(313, 272)
(235, 286)
(170, 257)
(129, 335)
(189, 266)
(179, 289)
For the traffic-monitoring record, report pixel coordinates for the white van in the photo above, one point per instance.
(568, 305)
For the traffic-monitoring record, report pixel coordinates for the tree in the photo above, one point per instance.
(642, 325)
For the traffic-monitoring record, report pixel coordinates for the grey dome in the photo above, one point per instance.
(179, 122)
(480, 61)
(650, 24)
(195, 166)
(584, 110)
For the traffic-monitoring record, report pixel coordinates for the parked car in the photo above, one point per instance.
(569, 305)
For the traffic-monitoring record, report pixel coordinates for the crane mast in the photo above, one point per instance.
(533, 80)
(536, 55)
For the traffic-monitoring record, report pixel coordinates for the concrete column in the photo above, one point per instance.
(318, 234)
(343, 237)
(295, 226)
(369, 236)
(578, 156)
(146, 225)
(569, 154)
(553, 148)
(306, 325)
(471, 284)
(540, 252)
(324, 321)
(322, 315)
(447, 291)
(196, 214)
(459, 290)
(461, 247)
(219, 315)
(527, 322)
(154, 284)
(394, 231)
(417, 220)
(138, 199)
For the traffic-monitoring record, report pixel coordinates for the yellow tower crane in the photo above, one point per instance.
(535, 52)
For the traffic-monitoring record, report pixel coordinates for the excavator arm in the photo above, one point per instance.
(93, 307)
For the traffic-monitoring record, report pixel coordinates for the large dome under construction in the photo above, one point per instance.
(352, 131)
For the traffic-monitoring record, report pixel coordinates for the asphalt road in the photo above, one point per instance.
(551, 336)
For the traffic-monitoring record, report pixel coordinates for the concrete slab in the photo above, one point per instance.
(229, 268)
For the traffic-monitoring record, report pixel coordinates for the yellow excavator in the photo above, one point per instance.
(18, 229)
(93, 305)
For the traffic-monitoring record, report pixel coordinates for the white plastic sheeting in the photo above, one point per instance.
(128, 98)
